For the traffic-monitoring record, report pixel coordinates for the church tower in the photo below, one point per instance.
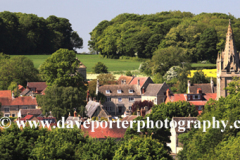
(227, 64)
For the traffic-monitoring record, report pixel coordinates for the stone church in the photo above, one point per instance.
(227, 64)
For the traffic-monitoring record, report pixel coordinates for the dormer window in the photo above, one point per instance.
(108, 91)
(119, 91)
(130, 90)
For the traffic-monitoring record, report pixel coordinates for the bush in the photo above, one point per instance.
(100, 68)
(128, 73)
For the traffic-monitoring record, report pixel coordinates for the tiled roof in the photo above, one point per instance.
(30, 112)
(5, 94)
(27, 117)
(153, 89)
(38, 85)
(19, 101)
(142, 80)
(104, 132)
(185, 119)
(124, 88)
(128, 79)
(20, 87)
(183, 97)
(206, 88)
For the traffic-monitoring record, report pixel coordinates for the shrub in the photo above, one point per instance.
(128, 73)
(100, 68)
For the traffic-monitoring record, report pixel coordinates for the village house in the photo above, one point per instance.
(175, 145)
(198, 99)
(155, 93)
(205, 87)
(11, 105)
(24, 112)
(82, 69)
(34, 88)
(124, 80)
(95, 109)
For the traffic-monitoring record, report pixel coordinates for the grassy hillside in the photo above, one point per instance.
(90, 60)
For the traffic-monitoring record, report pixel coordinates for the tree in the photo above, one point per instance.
(106, 79)
(100, 68)
(14, 87)
(76, 41)
(158, 78)
(19, 69)
(183, 77)
(62, 100)
(172, 73)
(61, 69)
(128, 73)
(142, 148)
(140, 105)
(206, 47)
(199, 77)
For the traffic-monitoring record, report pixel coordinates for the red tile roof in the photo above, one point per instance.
(100, 132)
(27, 117)
(21, 88)
(128, 79)
(21, 101)
(38, 85)
(142, 80)
(5, 94)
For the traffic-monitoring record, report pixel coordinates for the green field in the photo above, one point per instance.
(202, 65)
(90, 60)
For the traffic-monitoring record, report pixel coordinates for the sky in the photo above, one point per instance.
(84, 15)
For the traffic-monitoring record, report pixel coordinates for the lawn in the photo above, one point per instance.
(90, 60)
(195, 65)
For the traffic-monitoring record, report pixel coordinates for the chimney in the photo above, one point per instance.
(12, 95)
(143, 90)
(87, 98)
(69, 114)
(75, 114)
(146, 108)
(138, 112)
(199, 91)
(143, 112)
(138, 82)
(28, 113)
(168, 93)
(212, 85)
(189, 84)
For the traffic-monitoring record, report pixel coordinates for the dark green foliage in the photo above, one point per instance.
(19, 69)
(142, 148)
(199, 77)
(128, 73)
(214, 144)
(100, 68)
(207, 45)
(62, 100)
(183, 77)
(29, 34)
(61, 69)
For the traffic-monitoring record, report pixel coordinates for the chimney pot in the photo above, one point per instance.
(168, 93)
(138, 112)
(75, 114)
(143, 90)
(199, 91)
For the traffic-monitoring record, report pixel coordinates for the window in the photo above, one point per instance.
(108, 91)
(155, 100)
(196, 96)
(13, 115)
(6, 115)
(131, 99)
(24, 108)
(189, 97)
(109, 109)
(130, 108)
(33, 89)
(119, 91)
(6, 110)
(119, 99)
(200, 108)
(123, 81)
(130, 90)
(108, 99)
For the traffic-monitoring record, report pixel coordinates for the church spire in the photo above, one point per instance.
(230, 54)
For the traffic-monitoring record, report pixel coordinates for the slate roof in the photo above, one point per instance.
(30, 112)
(6, 94)
(38, 85)
(91, 108)
(177, 119)
(26, 92)
(128, 79)
(124, 88)
(206, 88)
(153, 89)
(142, 80)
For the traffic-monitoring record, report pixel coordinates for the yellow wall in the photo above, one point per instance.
(149, 98)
